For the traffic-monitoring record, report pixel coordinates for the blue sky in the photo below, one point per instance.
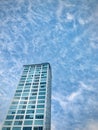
(63, 33)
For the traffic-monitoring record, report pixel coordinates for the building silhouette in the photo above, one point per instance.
(30, 108)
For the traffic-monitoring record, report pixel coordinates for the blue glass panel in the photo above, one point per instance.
(28, 122)
(40, 106)
(38, 128)
(11, 111)
(41, 93)
(38, 122)
(41, 97)
(8, 123)
(18, 123)
(16, 128)
(21, 112)
(19, 117)
(27, 128)
(9, 117)
(40, 111)
(39, 116)
(6, 128)
(41, 101)
(29, 117)
(30, 111)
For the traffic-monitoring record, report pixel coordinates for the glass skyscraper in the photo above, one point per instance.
(30, 108)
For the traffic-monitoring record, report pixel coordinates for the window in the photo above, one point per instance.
(34, 87)
(24, 98)
(23, 102)
(31, 106)
(41, 93)
(29, 117)
(36, 77)
(13, 107)
(42, 89)
(21, 112)
(19, 117)
(16, 128)
(31, 72)
(6, 128)
(41, 97)
(41, 101)
(9, 117)
(25, 94)
(38, 122)
(33, 94)
(21, 85)
(18, 94)
(43, 79)
(27, 128)
(11, 111)
(40, 111)
(32, 102)
(35, 83)
(18, 91)
(42, 82)
(23, 76)
(40, 106)
(34, 90)
(30, 111)
(28, 83)
(15, 102)
(33, 97)
(29, 79)
(39, 116)
(27, 87)
(28, 122)
(18, 123)
(42, 86)
(22, 106)
(36, 80)
(8, 123)
(38, 128)
(43, 75)
(26, 90)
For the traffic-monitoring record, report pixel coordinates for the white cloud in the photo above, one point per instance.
(86, 87)
(69, 16)
(74, 95)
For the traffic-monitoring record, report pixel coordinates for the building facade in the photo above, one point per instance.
(30, 108)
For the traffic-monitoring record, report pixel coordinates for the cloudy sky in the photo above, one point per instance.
(63, 33)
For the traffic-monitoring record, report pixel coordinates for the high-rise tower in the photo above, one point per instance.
(30, 108)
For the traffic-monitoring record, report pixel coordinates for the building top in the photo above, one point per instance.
(37, 64)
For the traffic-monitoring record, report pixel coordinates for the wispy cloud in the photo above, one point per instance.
(63, 33)
(83, 86)
(74, 95)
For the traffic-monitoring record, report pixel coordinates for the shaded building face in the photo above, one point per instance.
(31, 106)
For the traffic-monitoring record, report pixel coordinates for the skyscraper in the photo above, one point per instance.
(30, 108)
